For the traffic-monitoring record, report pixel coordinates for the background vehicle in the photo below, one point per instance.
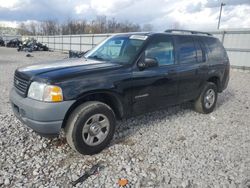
(14, 43)
(31, 45)
(125, 75)
(2, 42)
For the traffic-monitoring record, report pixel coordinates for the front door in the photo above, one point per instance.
(156, 87)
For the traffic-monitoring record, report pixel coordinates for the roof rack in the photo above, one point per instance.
(187, 31)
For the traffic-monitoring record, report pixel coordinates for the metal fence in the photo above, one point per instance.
(236, 42)
(71, 42)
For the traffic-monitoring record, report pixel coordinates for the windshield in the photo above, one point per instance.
(117, 49)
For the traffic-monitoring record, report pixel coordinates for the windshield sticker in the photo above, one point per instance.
(138, 37)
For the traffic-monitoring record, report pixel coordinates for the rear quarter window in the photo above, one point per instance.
(216, 52)
(200, 51)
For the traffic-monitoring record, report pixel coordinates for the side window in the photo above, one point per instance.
(161, 49)
(200, 51)
(131, 47)
(187, 51)
(216, 50)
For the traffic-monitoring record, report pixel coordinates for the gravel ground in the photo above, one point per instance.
(176, 147)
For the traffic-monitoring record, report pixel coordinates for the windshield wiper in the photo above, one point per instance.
(84, 58)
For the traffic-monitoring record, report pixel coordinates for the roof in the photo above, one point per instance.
(168, 32)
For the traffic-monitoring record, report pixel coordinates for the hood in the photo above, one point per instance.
(64, 68)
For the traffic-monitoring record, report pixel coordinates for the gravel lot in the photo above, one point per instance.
(173, 148)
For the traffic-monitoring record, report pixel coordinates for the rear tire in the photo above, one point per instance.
(90, 127)
(206, 102)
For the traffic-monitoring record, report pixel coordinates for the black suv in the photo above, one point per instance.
(125, 75)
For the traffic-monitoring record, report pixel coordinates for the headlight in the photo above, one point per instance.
(44, 92)
(36, 91)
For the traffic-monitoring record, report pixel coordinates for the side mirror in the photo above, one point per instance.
(148, 62)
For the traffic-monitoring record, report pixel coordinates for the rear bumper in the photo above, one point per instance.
(43, 117)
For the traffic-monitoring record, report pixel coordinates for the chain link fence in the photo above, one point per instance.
(71, 42)
(237, 44)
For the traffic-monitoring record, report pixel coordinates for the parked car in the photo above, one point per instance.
(126, 75)
(2, 42)
(14, 43)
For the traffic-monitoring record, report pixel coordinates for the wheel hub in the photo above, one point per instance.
(209, 98)
(94, 129)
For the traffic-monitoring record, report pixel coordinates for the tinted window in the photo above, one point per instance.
(162, 49)
(191, 50)
(215, 49)
(200, 51)
(187, 51)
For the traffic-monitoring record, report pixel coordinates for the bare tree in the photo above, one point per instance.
(50, 27)
(74, 27)
(99, 25)
(103, 25)
(23, 29)
(112, 25)
(128, 27)
(33, 28)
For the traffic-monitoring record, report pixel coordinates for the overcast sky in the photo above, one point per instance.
(162, 14)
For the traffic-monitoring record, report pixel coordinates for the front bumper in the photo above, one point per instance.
(43, 117)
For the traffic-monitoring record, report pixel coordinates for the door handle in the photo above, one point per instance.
(203, 67)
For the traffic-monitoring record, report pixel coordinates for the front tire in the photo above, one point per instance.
(206, 102)
(90, 127)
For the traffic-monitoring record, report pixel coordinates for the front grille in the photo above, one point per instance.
(21, 85)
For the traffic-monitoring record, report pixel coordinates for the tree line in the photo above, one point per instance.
(98, 25)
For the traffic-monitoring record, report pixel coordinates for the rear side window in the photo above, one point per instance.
(216, 51)
(187, 50)
(162, 49)
(200, 51)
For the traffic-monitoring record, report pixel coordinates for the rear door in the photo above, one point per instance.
(192, 66)
(217, 60)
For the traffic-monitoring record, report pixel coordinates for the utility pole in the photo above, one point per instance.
(221, 5)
